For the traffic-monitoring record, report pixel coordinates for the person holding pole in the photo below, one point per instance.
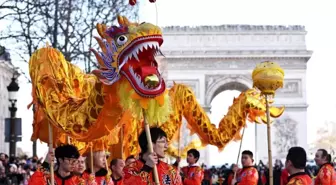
(295, 164)
(140, 172)
(67, 159)
(99, 168)
(248, 175)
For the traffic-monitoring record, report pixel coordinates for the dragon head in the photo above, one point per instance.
(255, 105)
(128, 51)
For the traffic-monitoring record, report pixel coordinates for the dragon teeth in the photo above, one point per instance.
(135, 55)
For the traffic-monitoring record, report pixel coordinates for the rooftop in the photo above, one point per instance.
(235, 28)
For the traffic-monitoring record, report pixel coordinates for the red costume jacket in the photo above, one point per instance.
(299, 179)
(100, 177)
(263, 178)
(247, 176)
(193, 175)
(326, 175)
(284, 177)
(39, 178)
(229, 178)
(117, 181)
(137, 173)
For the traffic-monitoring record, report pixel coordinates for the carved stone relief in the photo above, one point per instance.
(213, 79)
(285, 134)
(193, 84)
(292, 88)
(235, 28)
(222, 63)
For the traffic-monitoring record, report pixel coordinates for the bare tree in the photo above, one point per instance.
(68, 24)
(326, 137)
(285, 135)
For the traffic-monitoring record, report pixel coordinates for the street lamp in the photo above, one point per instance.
(13, 89)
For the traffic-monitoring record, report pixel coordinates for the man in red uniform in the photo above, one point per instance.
(295, 164)
(326, 175)
(117, 167)
(80, 167)
(249, 174)
(284, 177)
(130, 159)
(100, 172)
(193, 174)
(67, 158)
(140, 172)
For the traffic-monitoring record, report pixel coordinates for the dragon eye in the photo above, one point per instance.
(121, 40)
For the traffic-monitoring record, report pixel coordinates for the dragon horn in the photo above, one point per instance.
(101, 28)
(123, 21)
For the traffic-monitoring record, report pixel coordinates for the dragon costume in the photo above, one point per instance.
(126, 86)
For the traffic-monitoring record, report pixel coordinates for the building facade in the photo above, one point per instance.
(212, 59)
(6, 73)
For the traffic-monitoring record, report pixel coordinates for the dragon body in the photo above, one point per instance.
(127, 86)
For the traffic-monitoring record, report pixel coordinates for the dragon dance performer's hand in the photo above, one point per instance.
(178, 160)
(234, 181)
(235, 168)
(152, 160)
(50, 156)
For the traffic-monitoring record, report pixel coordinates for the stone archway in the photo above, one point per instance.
(219, 83)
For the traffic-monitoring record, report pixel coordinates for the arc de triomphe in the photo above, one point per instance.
(212, 59)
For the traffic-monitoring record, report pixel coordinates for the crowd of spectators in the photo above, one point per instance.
(219, 175)
(16, 171)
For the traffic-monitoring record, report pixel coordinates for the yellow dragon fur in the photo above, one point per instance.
(127, 85)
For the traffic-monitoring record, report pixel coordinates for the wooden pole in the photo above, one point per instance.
(240, 145)
(91, 158)
(121, 141)
(179, 141)
(68, 140)
(269, 140)
(150, 147)
(51, 163)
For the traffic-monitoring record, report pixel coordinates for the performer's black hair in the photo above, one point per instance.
(66, 151)
(298, 157)
(195, 153)
(325, 154)
(248, 152)
(114, 162)
(130, 157)
(156, 133)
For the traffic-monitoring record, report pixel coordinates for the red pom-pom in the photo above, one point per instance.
(132, 2)
(152, 1)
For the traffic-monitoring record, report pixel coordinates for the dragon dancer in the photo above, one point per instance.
(117, 167)
(295, 164)
(140, 172)
(326, 174)
(67, 159)
(100, 170)
(248, 175)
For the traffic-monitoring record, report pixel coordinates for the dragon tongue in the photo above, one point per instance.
(148, 73)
